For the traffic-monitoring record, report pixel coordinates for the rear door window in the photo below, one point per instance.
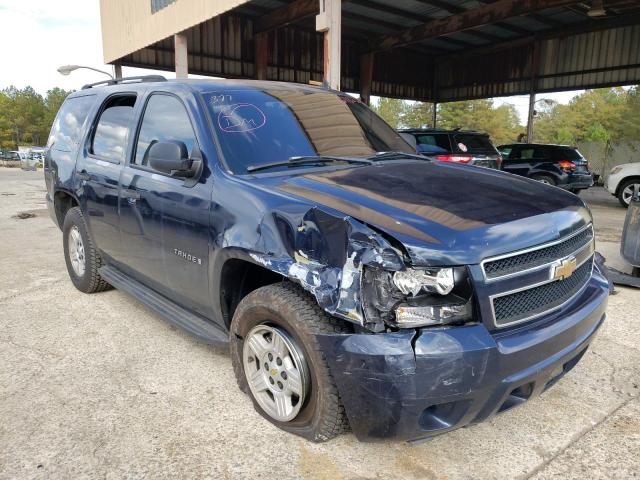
(533, 152)
(67, 126)
(113, 127)
(473, 143)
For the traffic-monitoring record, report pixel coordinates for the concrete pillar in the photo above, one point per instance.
(434, 114)
(535, 67)
(530, 116)
(117, 70)
(329, 21)
(366, 77)
(181, 55)
(261, 55)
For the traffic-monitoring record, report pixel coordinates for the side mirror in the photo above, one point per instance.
(171, 158)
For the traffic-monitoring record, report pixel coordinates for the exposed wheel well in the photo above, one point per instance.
(239, 278)
(62, 202)
(625, 180)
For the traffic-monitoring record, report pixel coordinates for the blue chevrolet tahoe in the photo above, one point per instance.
(357, 285)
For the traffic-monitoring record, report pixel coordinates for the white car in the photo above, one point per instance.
(622, 181)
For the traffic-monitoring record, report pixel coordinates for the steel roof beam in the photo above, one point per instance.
(484, 15)
(287, 14)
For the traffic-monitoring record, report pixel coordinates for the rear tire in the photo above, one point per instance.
(625, 191)
(81, 256)
(291, 313)
(546, 179)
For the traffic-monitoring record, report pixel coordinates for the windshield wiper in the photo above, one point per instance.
(396, 156)
(307, 159)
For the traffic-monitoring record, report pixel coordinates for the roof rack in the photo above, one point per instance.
(120, 81)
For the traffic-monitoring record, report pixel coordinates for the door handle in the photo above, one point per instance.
(130, 194)
(83, 176)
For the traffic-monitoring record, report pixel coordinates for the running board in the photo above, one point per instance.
(180, 317)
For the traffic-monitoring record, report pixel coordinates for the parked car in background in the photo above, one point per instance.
(622, 181)
(559, 165)
(458, 146)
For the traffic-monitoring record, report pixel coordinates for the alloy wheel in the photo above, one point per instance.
(276, 371)
(628, 192)
(76, 251)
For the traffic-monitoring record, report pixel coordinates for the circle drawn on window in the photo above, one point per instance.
(241, 117)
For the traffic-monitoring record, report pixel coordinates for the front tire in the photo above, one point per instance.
(81, 256)
(278, 361)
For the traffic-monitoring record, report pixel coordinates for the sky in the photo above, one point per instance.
(38, 36)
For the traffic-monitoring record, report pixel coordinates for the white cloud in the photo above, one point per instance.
(38, 36)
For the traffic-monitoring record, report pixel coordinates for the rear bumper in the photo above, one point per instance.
(416, 384)
(575, 181)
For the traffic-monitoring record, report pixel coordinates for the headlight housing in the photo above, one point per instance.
(412, 281)
(418, 297)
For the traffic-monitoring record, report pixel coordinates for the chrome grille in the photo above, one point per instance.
(515, 263)
(533, 302)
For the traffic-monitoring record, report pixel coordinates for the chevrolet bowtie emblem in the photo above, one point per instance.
(564, 269)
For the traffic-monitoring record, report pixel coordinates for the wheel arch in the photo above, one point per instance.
(235, 275)
(63, 201)
(624, 181)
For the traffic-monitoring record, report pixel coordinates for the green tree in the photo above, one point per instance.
(26, 116)
(418, 114)
(391, 110)
(599, 115)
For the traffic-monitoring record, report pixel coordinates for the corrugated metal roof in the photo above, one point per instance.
(493, 59)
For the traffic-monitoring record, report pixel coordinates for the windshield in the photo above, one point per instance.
(258, 127)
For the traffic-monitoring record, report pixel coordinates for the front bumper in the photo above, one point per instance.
(419, 383)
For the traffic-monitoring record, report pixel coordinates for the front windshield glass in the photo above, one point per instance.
(258, 127)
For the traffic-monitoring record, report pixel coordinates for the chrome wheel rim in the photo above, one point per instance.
(627, 193)
(76, 251)
(545, 181)
(276, 372)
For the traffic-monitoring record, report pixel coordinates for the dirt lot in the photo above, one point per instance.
(99, 386)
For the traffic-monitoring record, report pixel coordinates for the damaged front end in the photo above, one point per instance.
(360, 275)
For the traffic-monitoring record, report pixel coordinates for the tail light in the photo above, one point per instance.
(454, 158)
(566, 164)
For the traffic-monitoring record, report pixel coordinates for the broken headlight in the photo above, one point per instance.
(412, 281)
(418, 297)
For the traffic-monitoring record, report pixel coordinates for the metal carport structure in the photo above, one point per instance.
(427, 50)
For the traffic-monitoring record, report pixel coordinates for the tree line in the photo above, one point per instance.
(601, 115)
(26, 116)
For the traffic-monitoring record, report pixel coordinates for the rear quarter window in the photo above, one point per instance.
(470, 143)
(565, 153)
(67, 126)
(436, 140)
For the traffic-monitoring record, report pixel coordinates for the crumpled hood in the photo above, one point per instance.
(445, 214)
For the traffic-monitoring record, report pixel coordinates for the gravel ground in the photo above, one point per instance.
(100, 386)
